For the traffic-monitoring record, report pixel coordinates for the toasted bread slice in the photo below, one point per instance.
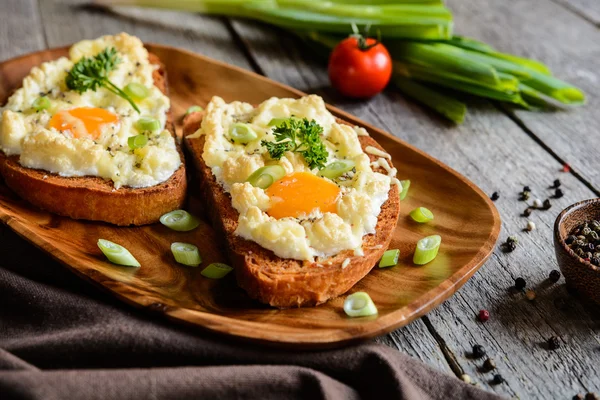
(94, 198)
(282, 282)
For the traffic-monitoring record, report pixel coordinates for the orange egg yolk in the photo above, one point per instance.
(301, 193)
(83, 122)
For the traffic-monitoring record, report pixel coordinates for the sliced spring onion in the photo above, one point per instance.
(41, 103)
(193, 109)
(421, 215)
(137, 141)
(179, 220)
(186, 254)
(337, 168)
(265, 176)
(405, 185)
(359, 304)
(427, 249)
(216, 270)
(136, 91)
(242, 133)
(277, 121)
(117, 254)
(389, 259)
(147, 124)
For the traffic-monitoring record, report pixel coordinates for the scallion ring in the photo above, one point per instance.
(421, 215)
(242, 133)
(427, 249)
(405, 185)
(277, 121)
(147, 124)
(337, 168)
(265, 176)
(117, 254)
(359, 304)
(193, 109)
(216, 270)
(41, 103)
(389, 259)
(136, 91)
(179, 220)
(137, 141)
(186, 254)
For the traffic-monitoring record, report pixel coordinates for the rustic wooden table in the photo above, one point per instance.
(497, 148)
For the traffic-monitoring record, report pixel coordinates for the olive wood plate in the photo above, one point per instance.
(464, 216)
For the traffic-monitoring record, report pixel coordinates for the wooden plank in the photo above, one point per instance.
(588, 9)
(20, 28)
(546, 31)
(498, 156)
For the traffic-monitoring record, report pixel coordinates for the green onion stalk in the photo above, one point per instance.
(430, 63)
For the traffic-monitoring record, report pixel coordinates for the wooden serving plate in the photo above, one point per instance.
(464, 216)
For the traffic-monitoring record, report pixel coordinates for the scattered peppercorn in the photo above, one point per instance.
(547, 204)
(495, 196)
(498, 379)
(484, 315)
(591, 396)
(558, 193)
(553, 343)
(584, 241)
(527, 212)
(537, 203)
(556, 184)
(525, 196)
(578, 396)
(530, 294)
(566, 168)
(465, 378)
(512, 239)
(554, 276)
(478, 351)
(520, 284)
(530, 226)
(489, 364)
(526, 189)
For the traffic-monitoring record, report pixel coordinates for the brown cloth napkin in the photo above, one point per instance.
(62, 338)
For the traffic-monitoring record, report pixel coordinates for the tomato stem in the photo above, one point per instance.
(362, 39)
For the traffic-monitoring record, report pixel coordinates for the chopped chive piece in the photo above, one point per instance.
(242, 133)
(117, 254)
(193, 109)
(359, 304)
(147, 124)
(136, 91)
(427, 249)
(421, 215)
(277, 121)
(389, 259)
(186, 254)
(405, 185)
(41, 103)
(337, 169)
(137, 141)
(179, 220)
(265, 176)
(216, 270)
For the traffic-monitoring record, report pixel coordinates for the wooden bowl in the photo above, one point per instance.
(580, 274)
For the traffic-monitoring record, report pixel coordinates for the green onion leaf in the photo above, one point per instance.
(117, 254)
(186, 254)
(179, 220)
(242, 133)
(216, 270)
(421, 215)
(359, 304)
(405, 185)
(147, 124)
(193, 109)
(136, 91)
(41, 103)
(389, 259)
(337, 169)
(265, 176)
(137, 141)
(427, 249)
(277, 121)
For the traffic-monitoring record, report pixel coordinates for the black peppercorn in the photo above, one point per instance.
(527, 212)
(556, 184)
(520, 283)
(489, 364)
(498, 379)
(478, 351)
(595, 261)
(547, 204)
(570, 239)
(589, 247)
(578, 396)
(510, 247)
(554, 276)
(526, 189)
(591, 396)
(558, 193)
(553, 343)
(495, 196)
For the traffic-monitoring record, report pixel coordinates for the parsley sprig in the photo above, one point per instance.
(90, 73)
(299, 135)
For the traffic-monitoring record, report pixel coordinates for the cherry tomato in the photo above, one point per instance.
(360, 67)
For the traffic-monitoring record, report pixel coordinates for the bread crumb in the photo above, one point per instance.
(45, 177)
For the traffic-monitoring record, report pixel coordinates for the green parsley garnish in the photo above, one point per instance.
(90, 73)
(301, 136)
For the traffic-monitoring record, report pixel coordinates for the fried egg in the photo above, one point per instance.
(86, 134)
(302, 215)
